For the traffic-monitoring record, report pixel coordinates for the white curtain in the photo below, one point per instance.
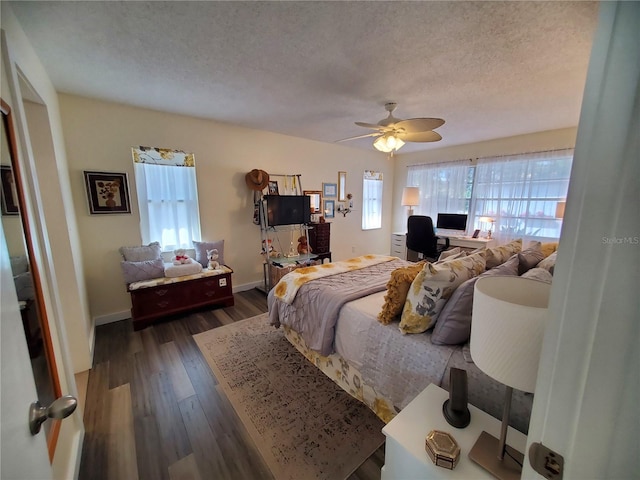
(521, 192)
(168, 201)
(444, 187)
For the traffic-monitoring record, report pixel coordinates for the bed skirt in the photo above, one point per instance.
(345, 375)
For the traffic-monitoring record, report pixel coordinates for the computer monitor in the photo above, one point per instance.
(452, 221)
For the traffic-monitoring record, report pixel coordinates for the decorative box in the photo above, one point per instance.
(442, 449)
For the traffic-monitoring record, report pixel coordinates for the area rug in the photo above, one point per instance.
(303, 424)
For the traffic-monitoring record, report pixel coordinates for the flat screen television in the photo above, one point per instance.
(452, 221)
(288, 209)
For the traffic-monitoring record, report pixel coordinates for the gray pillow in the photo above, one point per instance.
(145, 270)
(454, 323)
(142, 253)
(539, 274)
(529, 258)
(549, 263)
(448, 253)
(201, 251)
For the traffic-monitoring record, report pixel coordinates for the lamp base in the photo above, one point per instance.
(485, 453)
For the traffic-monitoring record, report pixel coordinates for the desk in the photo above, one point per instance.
(399, 243)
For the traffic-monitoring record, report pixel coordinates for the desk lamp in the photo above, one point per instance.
(410, 198)
(509, 316)
(490, 221)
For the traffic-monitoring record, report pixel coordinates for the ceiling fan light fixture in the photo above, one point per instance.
(387, 143)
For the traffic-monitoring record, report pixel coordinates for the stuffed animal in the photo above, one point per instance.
(212, 255)
(303, 246)
(181, 257)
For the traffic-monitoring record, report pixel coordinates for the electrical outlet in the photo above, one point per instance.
(222, 282)
(546, 462)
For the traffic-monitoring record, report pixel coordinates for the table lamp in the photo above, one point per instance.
(410, 198)
(507, 327)
(490, 221)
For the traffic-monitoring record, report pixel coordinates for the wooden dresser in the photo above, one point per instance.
(150, 303)
(320, 240)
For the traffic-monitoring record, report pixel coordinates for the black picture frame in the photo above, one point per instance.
(8, 192)
(273, 187)
(107, 192)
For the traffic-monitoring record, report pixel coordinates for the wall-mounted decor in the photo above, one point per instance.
(342, 186)
(329, 189)
(107, 192)
(315, 201)
(273, 187)
(329, 208)
(8, 192)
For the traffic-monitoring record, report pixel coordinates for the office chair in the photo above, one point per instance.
(421, 238)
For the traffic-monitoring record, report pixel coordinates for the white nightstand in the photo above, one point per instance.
(405, 456)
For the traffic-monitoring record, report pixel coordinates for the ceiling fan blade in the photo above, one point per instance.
(369, 125)
(419, 137)
(374, 134)
(414, 125)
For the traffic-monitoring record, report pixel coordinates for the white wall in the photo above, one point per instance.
(532, 142)
(99, 136)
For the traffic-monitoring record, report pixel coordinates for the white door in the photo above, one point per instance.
(23, 456)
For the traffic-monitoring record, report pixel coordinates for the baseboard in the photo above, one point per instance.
(112, 317)
(247, 286)
(117, 316)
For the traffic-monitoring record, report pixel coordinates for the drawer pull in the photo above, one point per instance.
(162, 304)
(161, 293)
(209, 293)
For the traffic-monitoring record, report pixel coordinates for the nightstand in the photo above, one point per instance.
(405, 455)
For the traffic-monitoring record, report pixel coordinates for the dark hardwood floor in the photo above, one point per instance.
(154, 410)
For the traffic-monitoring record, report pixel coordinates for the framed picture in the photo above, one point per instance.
(329, 208)
(342, 186)
(107, 192)
(329, 189)
(9, 192)
(273, 187)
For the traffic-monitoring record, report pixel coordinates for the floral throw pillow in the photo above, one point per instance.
(432, 287)
(397, 288)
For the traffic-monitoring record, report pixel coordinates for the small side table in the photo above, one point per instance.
(405, 455)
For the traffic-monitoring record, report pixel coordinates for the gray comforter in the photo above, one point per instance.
(315, 309)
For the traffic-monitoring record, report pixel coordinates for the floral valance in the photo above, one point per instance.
(163, 156)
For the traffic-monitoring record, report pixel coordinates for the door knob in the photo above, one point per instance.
(60, 408)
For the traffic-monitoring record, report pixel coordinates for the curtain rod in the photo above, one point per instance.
(287, 175)
(492, 156)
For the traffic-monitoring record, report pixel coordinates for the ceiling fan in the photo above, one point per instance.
(392, 132)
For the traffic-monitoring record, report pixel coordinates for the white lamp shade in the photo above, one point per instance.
(507, 327)
(410, 196)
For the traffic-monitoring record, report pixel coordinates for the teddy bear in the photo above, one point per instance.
(212, 256)
(303, 246)
(181, 257)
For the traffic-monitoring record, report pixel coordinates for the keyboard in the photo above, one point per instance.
(450, 233)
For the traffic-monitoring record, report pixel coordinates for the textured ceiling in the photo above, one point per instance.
(311, 69)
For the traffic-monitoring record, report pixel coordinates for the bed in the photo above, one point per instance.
(329, 314)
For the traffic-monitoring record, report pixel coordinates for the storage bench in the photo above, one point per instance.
(159, 297)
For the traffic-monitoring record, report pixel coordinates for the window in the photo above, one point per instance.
(520, 192)
(444, 188)
(371, 200)
(167, 197)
